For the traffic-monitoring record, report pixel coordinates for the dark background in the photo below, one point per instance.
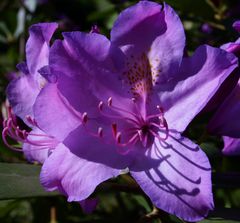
(205, 22)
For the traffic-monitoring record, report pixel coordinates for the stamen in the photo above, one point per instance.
(145, 140)
(100, 105)
(31, 120)
(133, 100)
(114, 108)
(109, 102)
(100, 132)
(139, 132)
(118, 137)
(84, 118)
(114, 129)
(160, 109)
(130, 142)
(12, 130)
(117, 117)
(4, 137)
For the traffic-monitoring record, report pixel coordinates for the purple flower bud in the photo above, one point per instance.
(206, 28)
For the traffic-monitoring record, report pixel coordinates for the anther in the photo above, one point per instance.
(160, 108)
(100, 132)
(109, 101)
(84, 118)
(95, 29)
(114, 129)
(139, 132)
(133, 100)
(118, 137)
(100, 105)
(31, 120)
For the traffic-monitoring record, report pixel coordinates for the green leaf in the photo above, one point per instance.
(223, 215)
(31, 5)
(21, 15)
(218, 220)
(20, 181)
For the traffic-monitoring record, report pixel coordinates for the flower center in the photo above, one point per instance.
(145, 129)
(128, 128)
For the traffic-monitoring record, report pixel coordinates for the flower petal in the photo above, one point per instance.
(94, 149)
(231, 146)
(21, 94)
(226, 120)
(236, 25)
(40, 147)
(53, 113)
(37, 47)
(75, 177)
(181, 184)
(154, 30)
(232, 47)
(72, 80)
(167, 50)
(84, 63)
(142, 18)
(105, 150)
(201, 76)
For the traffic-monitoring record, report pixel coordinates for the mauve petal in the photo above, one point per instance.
(79, 68)
(94, 51)
(231, 45)
(104, 150)
(155, 31)
(139, 24)
(53, 113)
(232, 48)
(23, 67)
(226, 120)
(73, 81)
(23, 91)
(167, 50)
(181, 184)
(37, 47)
(46, 73)
(231, 146)
(21, 94)
(94, 149)
(75, 177)
(36, 152)
(222, 93)
(201, 76)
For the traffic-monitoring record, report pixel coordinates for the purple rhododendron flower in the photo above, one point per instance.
(231, 146)
(231, 82)
(23, 90)
(123, 103)
(225, 120)
(236, 25)
(22, 93)
(206, 28)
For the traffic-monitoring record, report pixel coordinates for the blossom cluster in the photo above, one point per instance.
(98, 108)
